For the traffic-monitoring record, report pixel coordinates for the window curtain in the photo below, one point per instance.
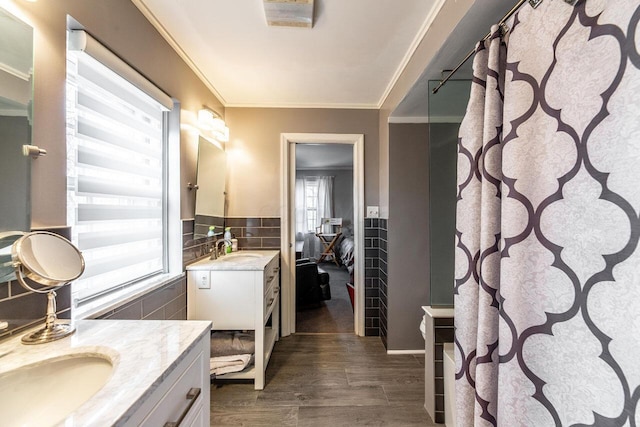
(547, 287)
(325, 199)
(312, 247)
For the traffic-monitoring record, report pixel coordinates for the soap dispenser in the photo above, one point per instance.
(227, 240)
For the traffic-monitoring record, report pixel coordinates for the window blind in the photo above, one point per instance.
(116, 189)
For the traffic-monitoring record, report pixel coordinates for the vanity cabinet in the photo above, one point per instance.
(182, 398)
(239, 295)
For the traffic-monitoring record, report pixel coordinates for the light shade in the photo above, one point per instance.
(289, 13)
(209, 121)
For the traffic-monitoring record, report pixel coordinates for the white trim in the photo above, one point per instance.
(345, 106)
(412, 49)
(287, 189)
(15, 72)
(176, 47)
(408, 119)
(391, 352)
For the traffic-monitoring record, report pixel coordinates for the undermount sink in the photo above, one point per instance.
(45, 393)
(240, 257)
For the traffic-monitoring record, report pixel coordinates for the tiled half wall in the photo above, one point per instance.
(375, 262)
(166, 303)
(252, 233)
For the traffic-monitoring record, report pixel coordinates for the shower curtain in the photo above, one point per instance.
(547, 278)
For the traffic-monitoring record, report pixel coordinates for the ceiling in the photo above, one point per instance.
(351, 58)
(473, 27)
(324, 156)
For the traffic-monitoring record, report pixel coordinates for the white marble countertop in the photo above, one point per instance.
(236, 261)
(438, 312)
(143, 353)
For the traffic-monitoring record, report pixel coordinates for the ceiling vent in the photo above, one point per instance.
(289, 13)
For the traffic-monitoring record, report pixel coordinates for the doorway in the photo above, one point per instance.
(289, 143)
(324, 253)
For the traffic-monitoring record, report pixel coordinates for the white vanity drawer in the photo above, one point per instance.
(271, 274)
(183, 400)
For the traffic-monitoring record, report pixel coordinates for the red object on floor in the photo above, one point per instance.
(351, 291)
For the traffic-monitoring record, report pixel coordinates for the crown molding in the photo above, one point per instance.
(412, 49)
(142, 7)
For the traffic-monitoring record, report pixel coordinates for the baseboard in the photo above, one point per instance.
(405, 351)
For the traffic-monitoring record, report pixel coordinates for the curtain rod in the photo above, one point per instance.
(514, 9)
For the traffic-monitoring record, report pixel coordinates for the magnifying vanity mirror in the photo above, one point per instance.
(16, 82)
(210, 196)
(43, 263)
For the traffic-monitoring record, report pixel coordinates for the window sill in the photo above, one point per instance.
(100, 306)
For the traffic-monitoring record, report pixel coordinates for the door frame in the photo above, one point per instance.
(287, 233)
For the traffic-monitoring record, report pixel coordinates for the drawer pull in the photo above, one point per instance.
(276, 289)
(192, 396)
(270, 278)
(271, 300)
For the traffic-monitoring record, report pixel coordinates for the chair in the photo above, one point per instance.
(329, 232)
(312, 283)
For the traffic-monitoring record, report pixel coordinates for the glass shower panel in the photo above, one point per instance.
(446, 110)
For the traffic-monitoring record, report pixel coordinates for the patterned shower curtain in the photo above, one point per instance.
(547, 286)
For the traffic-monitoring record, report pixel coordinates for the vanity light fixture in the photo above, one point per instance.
(210, 121)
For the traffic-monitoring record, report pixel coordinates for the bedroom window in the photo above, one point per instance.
(117, 185)
(314, 201)
(311, 203)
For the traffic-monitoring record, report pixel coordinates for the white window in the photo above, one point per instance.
(311, 203)
(116, 173)
(314, 201)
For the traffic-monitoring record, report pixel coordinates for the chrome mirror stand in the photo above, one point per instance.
(52, 330)
(51, 262)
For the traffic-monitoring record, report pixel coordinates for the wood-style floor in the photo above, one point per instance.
(327, 380)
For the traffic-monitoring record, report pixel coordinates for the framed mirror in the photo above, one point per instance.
(16, 97)
(210, 198)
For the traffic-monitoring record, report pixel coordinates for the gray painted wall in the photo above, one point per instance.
(253, 152)
(443, 139)
(342, 191)
(408, 235)
(120, 26)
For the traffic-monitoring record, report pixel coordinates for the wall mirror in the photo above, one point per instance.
(210, 196)
(16, 95)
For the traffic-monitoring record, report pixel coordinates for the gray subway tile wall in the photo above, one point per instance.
(255, 233)
(443, 332)
(383, 226)
(166, 303)
(195, 243)
(375, 261)
(23, 309)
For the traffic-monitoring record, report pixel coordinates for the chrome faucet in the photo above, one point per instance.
(214, 250)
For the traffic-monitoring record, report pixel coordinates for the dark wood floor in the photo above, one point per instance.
(328, 380)
(334, 315)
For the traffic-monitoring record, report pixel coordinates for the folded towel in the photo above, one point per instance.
(226, 364)
(229, 343)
